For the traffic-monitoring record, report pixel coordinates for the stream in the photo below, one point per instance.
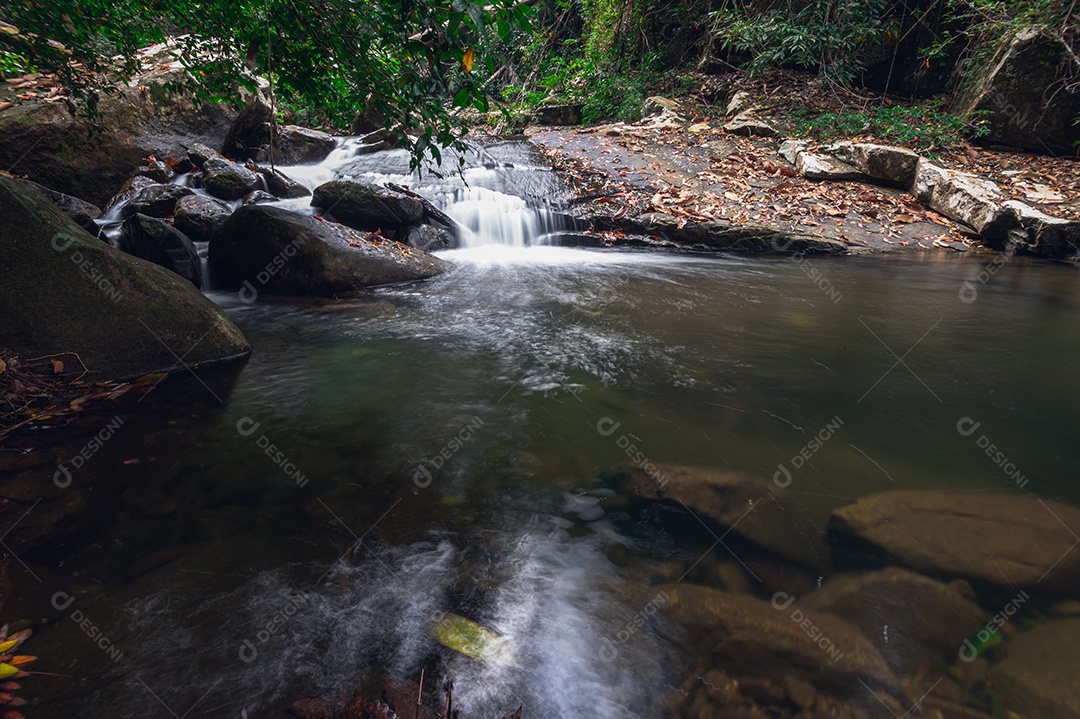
(290, 528)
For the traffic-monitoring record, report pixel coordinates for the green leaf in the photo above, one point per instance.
(469, 638)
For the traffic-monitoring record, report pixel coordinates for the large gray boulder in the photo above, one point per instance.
(972, 200)
(81, 211)
(1038, 676)
(1046, 235)
(154, 240)
(365, 206)
(1014, 541)
(823, 167)
(1023, 89)
(280, 251)
(125, 317)
(199, 216)
(886, 163)
(299, 145)
(228, 180)
(91, 160)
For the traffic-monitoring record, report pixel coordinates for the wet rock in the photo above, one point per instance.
(135, 184)
(429, 239)
(824, 167)
(281, 184)
(157, 171)
(250, 131)
(370, 120)
(282, 251)
(156, 201)
(657, 105)
(747, 506)
(966, 198)
(1038, 676)
(748, 124)
(199, 216)
(558, 115)
(1021, 88)
(258, 197)
(911, 619)
(299, 145)
(1047, 236)
(892, 165)
(124, 316)
(227, 180)
(1005, 540)
(746, 636)
(365, 206)
(83, 213)
(154, 240)
(721, 235)
(199, 153)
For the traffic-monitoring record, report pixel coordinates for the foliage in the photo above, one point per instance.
(12, 64)
(921, 127)
(829, 37)
(408, 58)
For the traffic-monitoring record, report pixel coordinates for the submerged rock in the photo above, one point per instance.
(746, 636)
(124, 316)
(154, 240)
(199, 216)
(365, 206)
(1038, 676)
(281, 251)
(912, 620)
(227, 180)
(1006, 540)
(747, 506)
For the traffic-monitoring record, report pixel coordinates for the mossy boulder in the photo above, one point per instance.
(269, 248)
(366, 206)
(125, 317)
(227, 180)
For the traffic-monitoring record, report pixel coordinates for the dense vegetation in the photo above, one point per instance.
(413, 60)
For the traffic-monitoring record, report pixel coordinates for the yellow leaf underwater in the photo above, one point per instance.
(466, 636)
